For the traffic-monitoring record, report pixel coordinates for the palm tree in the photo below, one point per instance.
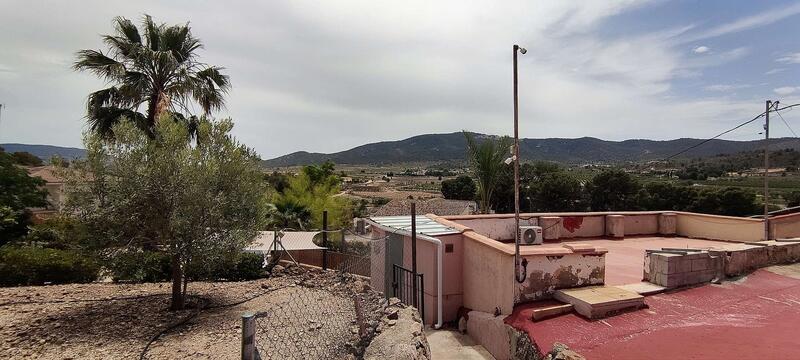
(158, 71)
(486, 162)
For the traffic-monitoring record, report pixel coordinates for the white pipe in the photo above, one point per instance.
(439, 255)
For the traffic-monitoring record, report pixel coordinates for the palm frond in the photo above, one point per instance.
(128, 29)
(99, 64)
(152, 33)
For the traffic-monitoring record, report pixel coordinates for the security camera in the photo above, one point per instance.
(522, 50)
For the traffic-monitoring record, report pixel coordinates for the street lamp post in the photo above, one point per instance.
(519, 277)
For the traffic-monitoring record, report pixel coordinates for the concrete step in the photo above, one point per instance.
(597, 302)
(643, 288)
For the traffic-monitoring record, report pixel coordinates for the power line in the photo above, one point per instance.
(715, 137)
(786, 123)
(732, 129)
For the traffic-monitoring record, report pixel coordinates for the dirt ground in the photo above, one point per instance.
(117, 321)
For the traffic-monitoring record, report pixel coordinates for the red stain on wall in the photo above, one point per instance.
(572, 223)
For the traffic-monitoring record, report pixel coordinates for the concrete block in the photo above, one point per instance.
(684, 265)
(551, 227)
(700, 264)
(667, 223)
(615, 226)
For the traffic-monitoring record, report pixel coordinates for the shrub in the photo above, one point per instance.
(28, 265)
(152, 266)
(139, 266)
(232, 267)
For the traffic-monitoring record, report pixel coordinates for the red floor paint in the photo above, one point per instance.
(755, 318)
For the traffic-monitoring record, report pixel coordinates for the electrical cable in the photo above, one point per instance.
(715, 137)
(786, 123)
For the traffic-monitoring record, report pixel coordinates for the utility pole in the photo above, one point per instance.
(515, 157)
(766, 171)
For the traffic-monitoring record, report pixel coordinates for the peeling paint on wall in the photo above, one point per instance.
(572, 223)
(546, 274)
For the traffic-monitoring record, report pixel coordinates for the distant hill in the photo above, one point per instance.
(45, 152)
(452, 148)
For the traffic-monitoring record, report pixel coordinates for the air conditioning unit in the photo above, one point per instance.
(531, 235)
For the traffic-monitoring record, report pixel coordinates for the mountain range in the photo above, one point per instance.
(45, 152)
(452, 148)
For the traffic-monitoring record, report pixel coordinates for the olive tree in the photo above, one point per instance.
(165, 193)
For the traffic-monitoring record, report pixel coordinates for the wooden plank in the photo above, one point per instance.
(551, 311)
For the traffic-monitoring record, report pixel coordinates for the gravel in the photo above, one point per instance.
(117, 321)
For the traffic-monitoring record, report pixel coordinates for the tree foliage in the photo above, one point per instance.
(18, 192)
(613, 190)
(155, 68)
(460, 188)
(486, 163)
(164, 194)
(306, 196)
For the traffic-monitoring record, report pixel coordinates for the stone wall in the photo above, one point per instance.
(400, 335)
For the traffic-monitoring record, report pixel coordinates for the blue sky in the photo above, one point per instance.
(327, 76)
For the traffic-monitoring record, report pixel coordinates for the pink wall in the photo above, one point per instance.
(785, 226)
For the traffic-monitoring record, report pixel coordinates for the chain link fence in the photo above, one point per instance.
(305, 323)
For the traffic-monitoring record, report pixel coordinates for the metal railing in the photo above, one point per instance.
(403, 287)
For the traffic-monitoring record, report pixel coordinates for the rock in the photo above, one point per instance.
(462, 325)
(392, 314)
(562, 352)
(402, 338)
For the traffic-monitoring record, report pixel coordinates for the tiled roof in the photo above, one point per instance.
(442, 207)
(47, 173)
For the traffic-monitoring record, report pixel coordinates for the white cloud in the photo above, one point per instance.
(701, 50)
(786, 90)
(352, 72)
(749, 22)
(726, 87)
(774, 71)
(793, 58)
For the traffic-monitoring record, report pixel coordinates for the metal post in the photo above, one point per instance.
(414, 251)
(344, 243)
(325, 240)
(766, 171)
(516, 170)
(249, 336)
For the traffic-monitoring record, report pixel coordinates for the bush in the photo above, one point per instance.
(28, 265)
(139, 266)
(152, 266)
(235, 267)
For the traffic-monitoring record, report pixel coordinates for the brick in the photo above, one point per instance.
(684, 265)
(700, 264)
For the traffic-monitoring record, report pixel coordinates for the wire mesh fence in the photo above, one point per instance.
(305, 323)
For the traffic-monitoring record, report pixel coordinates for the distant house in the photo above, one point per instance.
(54, 185)
(431, 206)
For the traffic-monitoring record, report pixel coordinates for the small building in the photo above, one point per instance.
(468, 261)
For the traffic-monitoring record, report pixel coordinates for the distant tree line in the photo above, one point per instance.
(546, 187)
(702, 169)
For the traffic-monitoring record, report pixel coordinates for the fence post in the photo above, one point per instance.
(414, 253)
(362, 329)
(325, 240)
(249, 336)
(344, 243)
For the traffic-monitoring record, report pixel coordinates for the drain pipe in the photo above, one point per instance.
(439, 256)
